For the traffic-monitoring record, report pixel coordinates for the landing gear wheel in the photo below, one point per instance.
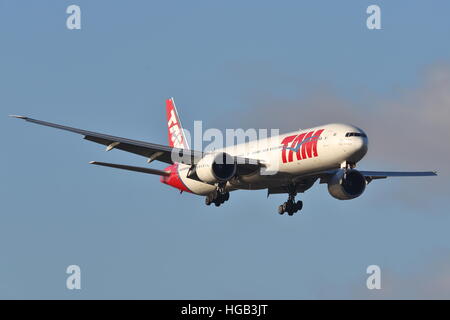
(299, 205)
(217, 197)
(291, 206)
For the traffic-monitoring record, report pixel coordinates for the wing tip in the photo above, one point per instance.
(18, 116)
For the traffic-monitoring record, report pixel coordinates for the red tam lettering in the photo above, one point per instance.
(284, 143)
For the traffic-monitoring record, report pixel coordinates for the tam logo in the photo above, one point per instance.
(304, 146)
(174, 130)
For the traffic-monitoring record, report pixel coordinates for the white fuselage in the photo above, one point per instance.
(290, 156)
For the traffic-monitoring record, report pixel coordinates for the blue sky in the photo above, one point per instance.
(230, 64)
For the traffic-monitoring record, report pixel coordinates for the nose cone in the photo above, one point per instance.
(360, 145)
(357, 144)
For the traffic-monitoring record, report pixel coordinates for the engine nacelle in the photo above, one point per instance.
(347, 185)
(217, 167)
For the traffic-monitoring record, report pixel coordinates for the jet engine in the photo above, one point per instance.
(346, 185)
(216, 167)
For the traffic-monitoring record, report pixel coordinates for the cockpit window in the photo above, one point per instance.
(355, 134)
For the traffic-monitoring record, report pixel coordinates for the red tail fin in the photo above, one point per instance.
(177, 137)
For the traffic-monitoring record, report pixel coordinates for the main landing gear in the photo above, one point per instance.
(217, 197)
(290, 206)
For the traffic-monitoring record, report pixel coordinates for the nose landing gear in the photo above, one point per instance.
(290, 206)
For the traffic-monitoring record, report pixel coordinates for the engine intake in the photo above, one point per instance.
(218, 167)
(346, 185)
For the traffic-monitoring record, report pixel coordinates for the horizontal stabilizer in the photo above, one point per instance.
(131, 168)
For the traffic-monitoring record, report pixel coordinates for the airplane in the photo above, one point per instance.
(285, 164)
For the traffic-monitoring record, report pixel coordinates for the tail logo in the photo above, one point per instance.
(174, 130)
(177, 139)
(303, 145)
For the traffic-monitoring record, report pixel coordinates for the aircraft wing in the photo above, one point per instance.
(152, 151)
(371, 175)
(146, 149)
(305, 181)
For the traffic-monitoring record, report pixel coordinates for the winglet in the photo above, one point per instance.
(18, 117)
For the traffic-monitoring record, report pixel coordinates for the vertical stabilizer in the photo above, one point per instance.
(177, 138)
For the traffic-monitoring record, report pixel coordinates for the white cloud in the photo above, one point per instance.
(410, 129)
